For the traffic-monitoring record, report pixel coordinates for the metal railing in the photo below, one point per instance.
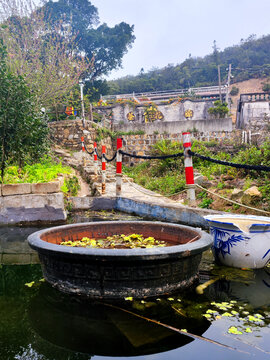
(167, 93)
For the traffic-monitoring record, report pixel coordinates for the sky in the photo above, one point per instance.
(167, 31)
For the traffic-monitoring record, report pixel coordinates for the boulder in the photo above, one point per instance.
(251, 196)
(236, 194)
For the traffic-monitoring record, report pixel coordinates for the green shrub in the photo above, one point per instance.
(205, 203)
(266, 87)
(234, 91)
(219, 110)
(71, 186)
(44, 171)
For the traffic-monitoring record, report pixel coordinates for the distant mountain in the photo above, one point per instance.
(249, 59)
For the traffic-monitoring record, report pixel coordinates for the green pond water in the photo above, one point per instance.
(40, 323)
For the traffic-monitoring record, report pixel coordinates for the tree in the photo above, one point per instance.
(47, 61)
(266, 87)
(107, 45)
(23, 129)
(234, 91)
(249, 59)
(219, 110)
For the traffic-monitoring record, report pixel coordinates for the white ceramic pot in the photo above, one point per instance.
(241, 241)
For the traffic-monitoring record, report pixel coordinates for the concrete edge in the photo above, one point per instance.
(170, 213)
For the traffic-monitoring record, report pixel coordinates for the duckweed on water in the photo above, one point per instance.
(117, 242)
(239, 318)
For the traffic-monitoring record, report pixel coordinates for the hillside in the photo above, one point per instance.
(250, 59)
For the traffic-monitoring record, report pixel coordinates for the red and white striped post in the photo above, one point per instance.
(189, 168)
(95, 159)
(103, 170)
(83, 151)
(119, 144)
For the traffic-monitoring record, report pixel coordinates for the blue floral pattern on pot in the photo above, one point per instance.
(240, 241)
(224, 241)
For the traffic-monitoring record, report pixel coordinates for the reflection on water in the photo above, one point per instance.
(83, 326)
(14, 248)
(255, 290)
(40, 323)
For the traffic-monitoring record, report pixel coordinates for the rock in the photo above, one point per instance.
(251, 196)
(206, 182)
(253, 191)
(198, 179)
(227, 177)
(236, 194)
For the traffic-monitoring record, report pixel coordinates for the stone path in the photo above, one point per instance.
(129, 189)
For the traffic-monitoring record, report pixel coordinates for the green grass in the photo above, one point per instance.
(167, 176)
(45, 171)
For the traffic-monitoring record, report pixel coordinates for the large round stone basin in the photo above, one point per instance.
(120, 273)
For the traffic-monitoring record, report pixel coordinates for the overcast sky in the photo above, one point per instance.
(167, 31)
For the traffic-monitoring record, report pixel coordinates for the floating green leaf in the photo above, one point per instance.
(234, 330)
(207, 315)
(227, 314)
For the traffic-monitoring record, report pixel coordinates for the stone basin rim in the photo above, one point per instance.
(182, 250)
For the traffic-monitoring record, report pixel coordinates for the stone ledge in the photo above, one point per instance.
(25, 188)
(16, 189)
(46, 188)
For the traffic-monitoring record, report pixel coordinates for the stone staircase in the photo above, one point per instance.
(84, 163)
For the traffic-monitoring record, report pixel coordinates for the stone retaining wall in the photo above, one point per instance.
(24, 203)
(142, 144)
(173, 127)
(172, 111)
(68, 134)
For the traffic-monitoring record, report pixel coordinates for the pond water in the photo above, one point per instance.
(40, 323)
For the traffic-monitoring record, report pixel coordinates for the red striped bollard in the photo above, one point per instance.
(103, 171)
(83, 151)
(189, 168)
(95, 159)
(119, 144)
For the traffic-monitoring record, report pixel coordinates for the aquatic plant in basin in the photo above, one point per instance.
(118, 273)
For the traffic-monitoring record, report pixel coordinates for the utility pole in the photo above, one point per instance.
(81, 83)
(219, 84)
(228, 83)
